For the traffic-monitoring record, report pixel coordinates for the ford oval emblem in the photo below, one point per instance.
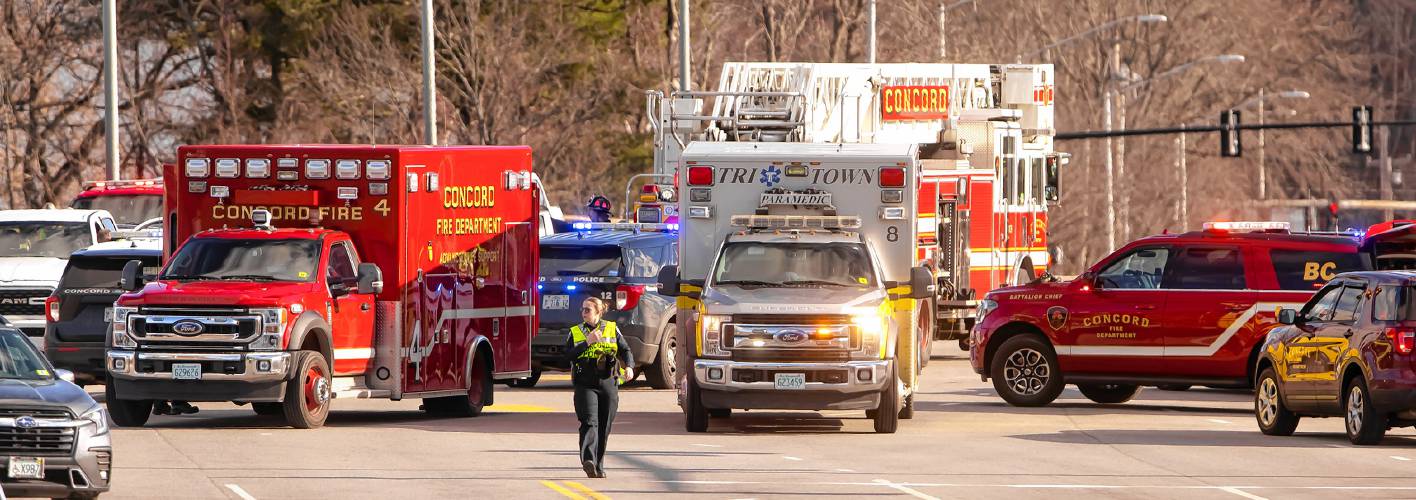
(25, 422)
(791, 336)
(188, 327)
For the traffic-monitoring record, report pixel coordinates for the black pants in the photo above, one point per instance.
(595, 405)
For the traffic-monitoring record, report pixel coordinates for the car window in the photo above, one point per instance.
(101, 272)
(641, 262)
(1206, 268)
(1347, 304)
(1320, 307)
(341, 265)
(577, 260)
(1140, 269)
(1309, 269)
(18, 360)
(1385, 303)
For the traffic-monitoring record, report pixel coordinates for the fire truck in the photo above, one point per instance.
(988, 168)
(297, 274)
(132, 202)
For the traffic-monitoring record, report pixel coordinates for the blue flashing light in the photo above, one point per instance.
(570, 288)
(581, 226)
(540, 287)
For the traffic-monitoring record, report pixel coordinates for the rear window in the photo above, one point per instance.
(1393, 303)
(91, 272)
(1309, 270)
(580, 261)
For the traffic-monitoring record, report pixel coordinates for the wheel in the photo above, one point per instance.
(907, 410)
(268, 409)
(887, 415)
(1365, 424)
(528, 382)
(1109, 394)
(720, 413)
(964, 344)
(926, 331)
(126, 412)
(1173, 387)
(479, 393)
(1269, 411)
(695, 416)
(307, 396)
(1025, 373)
(661, 374)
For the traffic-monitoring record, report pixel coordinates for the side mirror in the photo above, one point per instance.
(132, 279)
(370, 278)
(668, 281)
(1287, 317)
(64, 375)
(921, 283)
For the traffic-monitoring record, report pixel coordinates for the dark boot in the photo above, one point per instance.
(183, 408)
(162, 408)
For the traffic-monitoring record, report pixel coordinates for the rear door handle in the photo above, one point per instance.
(1146, 307)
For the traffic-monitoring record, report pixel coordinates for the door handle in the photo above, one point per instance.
(363, 307)
(1348, 334)
(1146, 307)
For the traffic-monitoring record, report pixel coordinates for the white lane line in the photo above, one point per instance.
(791, 458)
(1219, 421)
(1337, 446)
(905, 489)
(844, 470)
(239, 492)
(1242, 493)
(1403, 459)
(709, 445)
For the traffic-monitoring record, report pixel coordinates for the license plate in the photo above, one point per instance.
(26, 468)
(791, 381)
(187, 371)
(108, 315)
(555, 302)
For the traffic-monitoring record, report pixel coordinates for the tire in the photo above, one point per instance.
(695, 416)
(528, 382)
(307, 395)
(1109, 394)
(268, 409)
(1366, 425)
(926, 331)
(126, 412)
(1273, 417)
(479, 393)
(720, 413)
(1025, 372)
(964, 344)
(661, 374)
(887, 415)
(1173, 387)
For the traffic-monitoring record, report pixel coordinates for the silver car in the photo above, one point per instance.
(54, 439)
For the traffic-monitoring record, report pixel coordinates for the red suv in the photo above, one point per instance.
(1169, 310)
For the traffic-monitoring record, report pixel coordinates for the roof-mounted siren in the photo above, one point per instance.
(261, 219)
(1248, 227)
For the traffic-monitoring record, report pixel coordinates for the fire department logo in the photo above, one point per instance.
(187, 328)
(1057, 317)
(771, 176)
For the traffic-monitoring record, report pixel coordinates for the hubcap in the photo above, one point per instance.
(316, 389)
(1354, 410)
(673, 356)
(1026, 372)
(1267, 399)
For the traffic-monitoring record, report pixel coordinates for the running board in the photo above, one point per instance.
(354, 388)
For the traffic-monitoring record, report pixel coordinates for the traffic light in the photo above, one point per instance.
(1362, 129)
(1230, 145)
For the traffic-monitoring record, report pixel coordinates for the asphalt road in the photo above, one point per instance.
(963, 443)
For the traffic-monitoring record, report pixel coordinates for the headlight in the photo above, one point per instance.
(98, 418)
(712, 333)
(871, 327)
(120, 336)
(272, 329)
(985, 306)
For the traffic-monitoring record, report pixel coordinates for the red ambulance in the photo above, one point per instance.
(297, 274)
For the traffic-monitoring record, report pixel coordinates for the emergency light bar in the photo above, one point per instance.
(1246, 226)
(796, 221)
(623, 226)
(122, 184)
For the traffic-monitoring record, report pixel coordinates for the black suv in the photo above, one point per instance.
(618, 266)
(78, 313)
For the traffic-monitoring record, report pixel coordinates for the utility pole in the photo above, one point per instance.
(110, 90)
(871, 8)
(430, 93)
(685, 84)
(1263, 172)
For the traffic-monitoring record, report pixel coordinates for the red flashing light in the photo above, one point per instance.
(892, 177)
(1403, 339)
(627, 296)
(700, 176)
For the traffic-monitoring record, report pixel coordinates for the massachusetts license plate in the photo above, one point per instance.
(186, 371)
(26, 468)
(555, 302)
(791, 381)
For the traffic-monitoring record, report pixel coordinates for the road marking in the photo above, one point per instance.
(559, 489)
(587, 490)
(1403, 459)
(791, 458)
(708, 445)
(844, 470)
(1218, 421)
(239, 492)
(905, 489)
(1242, 493)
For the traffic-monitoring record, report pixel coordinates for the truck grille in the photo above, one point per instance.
(763, 355)
(37, 441)
(220, 327)
(22, 302)
(792, 319)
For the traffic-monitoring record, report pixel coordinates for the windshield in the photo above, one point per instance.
(580, 260)
(43, 239)
(18, 359)
(794, 264)
(241, 259)
(101, 272)
(129, 209)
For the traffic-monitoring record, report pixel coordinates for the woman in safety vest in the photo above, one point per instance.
(596, 372)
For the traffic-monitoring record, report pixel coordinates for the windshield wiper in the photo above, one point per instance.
(748, 283)
(252, 277)
(817, 282)
(187, 277)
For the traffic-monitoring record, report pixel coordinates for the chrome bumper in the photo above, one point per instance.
(124, 364)
(717, 375)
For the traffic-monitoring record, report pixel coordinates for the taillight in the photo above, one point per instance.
(627, 296)
(892, 177)
(51, 308)
(1404, 340)
(700, 176)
